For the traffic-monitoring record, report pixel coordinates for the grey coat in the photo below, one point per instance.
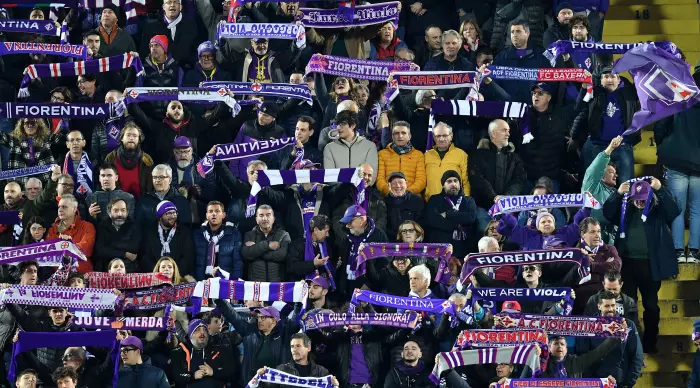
(265, 264)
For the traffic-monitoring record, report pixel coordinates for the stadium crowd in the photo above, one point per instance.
(130, 191)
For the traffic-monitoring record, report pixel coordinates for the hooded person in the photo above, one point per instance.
(643, 212)
(450, 215)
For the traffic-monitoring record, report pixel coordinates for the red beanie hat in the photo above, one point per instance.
(162, 40)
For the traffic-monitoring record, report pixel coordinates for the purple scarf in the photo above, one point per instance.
(575, 326)
(569, 46)
(322, 320)
(113, 132)
(625, 200)
(355, 269)
(11, 110)
(437, 251)
(41, 27)
(63, 50)
(557, 381)
(27, 171)
(364, 15)
(356, 68)
(428, 305)
(309, 207)
(233, 151)
(301, 92)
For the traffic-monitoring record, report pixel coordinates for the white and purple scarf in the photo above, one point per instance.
(78, 51)
(430, 80)
(27, 171)
(428, 305)
(74, 69)
(277, 377)
(437, 251)
(11, 110)
(357, 68)
(565, 382)
(569, 46)
(41, 27)
(310, 203)
(625, 200)
(81, 298)
(574, 326)
(212, 244)
(523, 355)
(217, 288)
(517, 203)
(165, 240)
(82, 177)
(45, 253)
(293, 31)
(270, 89)
(184, 94)
(231, 151)
(364, 15)
(315, 321)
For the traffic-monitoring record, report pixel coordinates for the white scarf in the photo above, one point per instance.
(213, 241)
(165, 244)
(172, 25)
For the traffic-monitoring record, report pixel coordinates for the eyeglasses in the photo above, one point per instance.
(171, 2)
(529, 268)
(407, 231)
(182, 151)
(126, 350)
(160, 177)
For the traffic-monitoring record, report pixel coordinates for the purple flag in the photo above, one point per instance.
(664, 84)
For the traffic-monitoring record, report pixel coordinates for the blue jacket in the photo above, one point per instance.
(533, 59)
(142, 375)
(624, 362)
(694, 381)
(228, 257)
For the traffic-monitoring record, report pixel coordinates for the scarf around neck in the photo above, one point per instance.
(402, 150)
(82, 176)
(410, 370)
(213, 245)
(353, 269)
(129, 159)
(165, 243)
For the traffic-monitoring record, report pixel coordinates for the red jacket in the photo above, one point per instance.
(83, 235)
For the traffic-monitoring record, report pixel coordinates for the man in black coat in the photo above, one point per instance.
(181, 32)
(410, 371)
(401, 205)
(298, 267)
(119, 237)
(626, 306)
(494, 169)
(167, 237)
(560, 30)
(200, 362)
(305, 129)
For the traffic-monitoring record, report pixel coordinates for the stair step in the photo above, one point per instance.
(645, 150)
(662, 379)
(653, 12)
(677, 308)
(671, 289)
(676, 326)
(688, 272)
(684, 41)
(644, 169)
(668, 363)
(682, 344)
(644, 27)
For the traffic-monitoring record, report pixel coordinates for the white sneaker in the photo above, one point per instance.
(681, 257)
(693, 257)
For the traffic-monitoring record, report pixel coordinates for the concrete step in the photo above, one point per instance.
(671, 289)
(614, 28)
(668, 363)
(645, 150)
(671, 344)
(688, 272)
(643, 169)
(653, 12)
(676, 326)
(677, 308)
(662, 379)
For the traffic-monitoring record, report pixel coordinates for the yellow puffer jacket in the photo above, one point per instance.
(411, 164)
(455, 159)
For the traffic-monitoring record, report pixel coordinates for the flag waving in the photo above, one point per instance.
(664, 84)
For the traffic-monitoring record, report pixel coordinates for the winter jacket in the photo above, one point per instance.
(556, 32)
(103, 198)
(112, 243)
(398, 379)
(591, 121)
(145, 168)
(677, 143)
(400, 209)
(545, 154)
(532, 239)
(411, 164)
(121, 42)
(219, 358)
(181, 248)
(227, 256)
(592, 182)
(344, 154)
(279, 338)
(533, 59)
(376, 210)
(289, 114)
(82, 234)
(29, 209)
(20, 156)
(297, 265)
(252, 131)
(599, 266)
(662, 212)
(441, 229)
(532, 11)
(345, 286)
(623, 362)
(315, 371)
(142, 375)
(156, 76)
(265, 264)
(455, 159)
(379, 53)
(576, 366)
(626, 307)
(493, 172)
(182, 48)
(388, 278)
(146, 207)
(418, 118)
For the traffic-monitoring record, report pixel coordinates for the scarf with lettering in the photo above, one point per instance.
(310, 203)
(156, 298)
(289, 177)
(437, 251)
(354, 268)
(517, 203)
(277, 377)
(514, 110)
(34, 340)
(428, 305)
(294, 31)
(270, 89)
(60, 110)
(78, 51)
(574, 326)
(104, 280)
(123, 323)
(81, 298)
(74, 69)
(625, 203)
(213, 244)
(469, 339)
(41, 27)
(190, 95)
(522, 354)
(113, 132)
(417, 80)
(165, 243)
(231, 151)
(554, 294)
(82, 177)
(557, 382)
(364, 69)
(569, 46)
(315, 321)
(22, 172)
(541, 75)
(363, 15)
(46, 253)
(544, 256)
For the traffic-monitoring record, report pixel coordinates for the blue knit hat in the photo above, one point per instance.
(164, 207)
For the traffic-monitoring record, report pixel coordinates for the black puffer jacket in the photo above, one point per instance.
(544, 155)
(400, 209)
(142, 375)
(265, 264)
(493, 172)
(397, 378)
(168, 75)
(388, 278)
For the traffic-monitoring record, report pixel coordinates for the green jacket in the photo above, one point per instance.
(592, 182)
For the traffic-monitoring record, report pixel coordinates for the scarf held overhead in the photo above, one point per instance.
(41, 27)
(434, 306)
(499, 338)
(270, 89)
(110, 281)
(364, 15)
(217, 288)
(357, 68)
(522, 355)
(233, 151)
(91, 298)
(569, 46)
(322, 320)
(430, 80)
(274, 376)
(541, 75)
(522, 383)
(27, 171)
(46, 251)
(123, 323)
(437, 251)
(191, 95)
(517, 203)
(158, 298)
(574, 326)
(294, 32)
(11, 110)
(64, 50)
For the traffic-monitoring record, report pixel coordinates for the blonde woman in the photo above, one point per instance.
(30, 146)
(168, 267)
(471, 35)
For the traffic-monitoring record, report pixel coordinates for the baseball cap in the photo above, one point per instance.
(543, 86)
(182, 142)
(256, 40)
(511, 306)
(269, 312)
(640, 191)
(396, 174)
(132, 341)
(352, 212)
(320, 281)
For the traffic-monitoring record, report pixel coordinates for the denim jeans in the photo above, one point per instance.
(686, 190)
(623, 157)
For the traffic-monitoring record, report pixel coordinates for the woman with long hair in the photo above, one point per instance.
(168, 267)
(35, 231)
(116, 266)
(30, 146)
(471, 35)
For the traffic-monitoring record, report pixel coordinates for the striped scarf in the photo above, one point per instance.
(523, 354)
